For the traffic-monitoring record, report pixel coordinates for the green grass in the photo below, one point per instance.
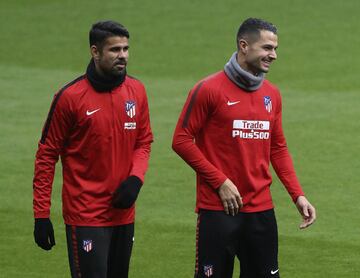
(173, 44)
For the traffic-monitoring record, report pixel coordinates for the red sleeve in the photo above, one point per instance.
(281, 159)
(54, 134)
(143, 143)
(196, 111)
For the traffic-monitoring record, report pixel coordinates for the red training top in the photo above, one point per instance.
(102, 138)
(226, 132)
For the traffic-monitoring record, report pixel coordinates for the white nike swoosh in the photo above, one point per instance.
(274, 271)
(88, 113)
(232, 102)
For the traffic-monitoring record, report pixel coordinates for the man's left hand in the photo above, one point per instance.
(307, 212)
(125, 195)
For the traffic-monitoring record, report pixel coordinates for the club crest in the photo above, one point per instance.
(208, 270)
(87, 245)
(130, 108)
(267, 103)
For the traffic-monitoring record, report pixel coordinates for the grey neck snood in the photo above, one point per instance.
(242, 78)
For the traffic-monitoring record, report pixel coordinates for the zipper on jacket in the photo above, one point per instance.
(112, 110)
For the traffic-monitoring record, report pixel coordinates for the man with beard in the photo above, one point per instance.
(99, 125)
(229, 131)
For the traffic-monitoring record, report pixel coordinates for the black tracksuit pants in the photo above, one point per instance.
(251, 237)
(99, 252)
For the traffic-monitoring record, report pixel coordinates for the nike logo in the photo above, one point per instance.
(274, 271)
(88, 113)
(232, 102)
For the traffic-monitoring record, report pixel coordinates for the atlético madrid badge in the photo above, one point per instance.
(208, 270)
(267, 103)
(130, 108)
(87, 245)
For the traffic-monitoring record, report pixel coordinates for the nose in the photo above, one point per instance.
(121, 53)
(273, 54)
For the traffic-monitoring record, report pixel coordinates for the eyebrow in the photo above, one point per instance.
(119, 47)
(270, 46)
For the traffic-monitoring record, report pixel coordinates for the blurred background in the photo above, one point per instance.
(173, 44)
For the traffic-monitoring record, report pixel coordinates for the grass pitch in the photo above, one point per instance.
(173, 44)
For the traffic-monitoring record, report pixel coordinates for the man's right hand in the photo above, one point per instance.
(44, 233)
(230, 197)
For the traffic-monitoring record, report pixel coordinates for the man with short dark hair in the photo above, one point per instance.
(229, 131)
(99, 125)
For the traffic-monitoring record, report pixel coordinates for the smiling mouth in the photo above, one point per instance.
(120, 65)
(268, 63)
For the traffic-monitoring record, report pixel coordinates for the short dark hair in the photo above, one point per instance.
(102, 30)
(251, 27)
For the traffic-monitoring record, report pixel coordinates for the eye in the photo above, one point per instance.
(115, 49)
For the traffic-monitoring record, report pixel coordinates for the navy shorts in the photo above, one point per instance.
(251, 237)
(101, 252)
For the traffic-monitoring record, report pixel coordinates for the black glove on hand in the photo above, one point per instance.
(125, 195)
(44, 233)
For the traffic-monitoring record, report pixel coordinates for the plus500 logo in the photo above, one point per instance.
(250, 129)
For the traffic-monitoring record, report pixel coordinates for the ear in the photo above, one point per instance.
(95, 53)
(243, 46)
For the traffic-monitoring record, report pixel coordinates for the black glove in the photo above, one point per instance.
(125, 195)
(44, 233)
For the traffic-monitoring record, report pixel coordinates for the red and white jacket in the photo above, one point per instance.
(226, 132)
(102, 138)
